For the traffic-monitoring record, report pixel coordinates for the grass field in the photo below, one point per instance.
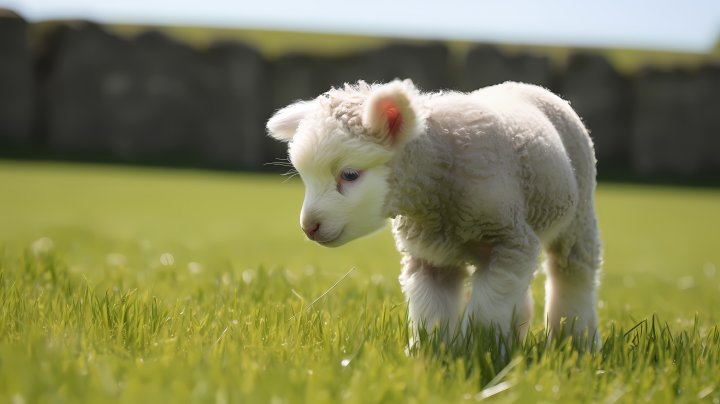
(93, 310)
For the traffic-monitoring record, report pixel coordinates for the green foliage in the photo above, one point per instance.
(94, 314)
(62, 339)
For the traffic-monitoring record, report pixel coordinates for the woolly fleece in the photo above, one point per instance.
(483, 180)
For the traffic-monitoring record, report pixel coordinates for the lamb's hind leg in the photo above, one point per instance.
(434, 293)
(572, 266)
(503, 285)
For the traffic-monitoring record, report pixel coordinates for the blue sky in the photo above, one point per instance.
(688, 25)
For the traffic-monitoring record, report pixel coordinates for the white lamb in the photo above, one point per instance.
(484, 179)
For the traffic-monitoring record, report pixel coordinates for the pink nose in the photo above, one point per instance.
(311, 232)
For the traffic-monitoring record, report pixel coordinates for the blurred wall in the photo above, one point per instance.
(87, 92)
(16, 79)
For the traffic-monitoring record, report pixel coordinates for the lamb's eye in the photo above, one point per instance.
(349, 174)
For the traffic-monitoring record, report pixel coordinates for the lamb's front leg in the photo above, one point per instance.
(434, 293)
(503, 285)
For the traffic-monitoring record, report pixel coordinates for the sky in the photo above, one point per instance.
(687, 25)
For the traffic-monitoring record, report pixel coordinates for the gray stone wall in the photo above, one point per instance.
(603, 98)
(16, 80)
(487, 66)
(676, 125)
(85, 90)
(154, 96)
(298, 77)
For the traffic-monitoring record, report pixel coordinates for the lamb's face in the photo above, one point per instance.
(345, 185)
(341, 150)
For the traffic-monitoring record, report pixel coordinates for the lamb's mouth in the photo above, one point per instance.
(328, 243)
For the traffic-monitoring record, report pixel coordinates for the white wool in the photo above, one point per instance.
(488, 179)
(284, 123)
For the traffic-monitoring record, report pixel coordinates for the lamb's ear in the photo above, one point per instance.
(390, 114)
(284, 123)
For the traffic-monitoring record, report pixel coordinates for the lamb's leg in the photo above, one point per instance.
(573, 262)
(525, 314)
(434, 293)
(503, 286)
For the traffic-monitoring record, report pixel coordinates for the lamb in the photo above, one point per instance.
(485, 179)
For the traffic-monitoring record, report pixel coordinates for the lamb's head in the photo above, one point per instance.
(341, 144)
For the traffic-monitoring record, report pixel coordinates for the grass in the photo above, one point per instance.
(92, 309)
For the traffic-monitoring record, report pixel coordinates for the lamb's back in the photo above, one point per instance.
(484, 157)
(559, 162)
(517, 142)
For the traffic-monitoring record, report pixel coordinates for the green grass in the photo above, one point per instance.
(98, 317)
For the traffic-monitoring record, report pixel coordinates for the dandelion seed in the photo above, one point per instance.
(248, 276)
(538, 387)
(345, 362)
(167, 259)
(41, 246)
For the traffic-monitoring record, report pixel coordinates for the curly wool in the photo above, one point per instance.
(484, 180)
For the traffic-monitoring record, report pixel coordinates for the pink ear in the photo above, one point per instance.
(390, 113)
(394, 118)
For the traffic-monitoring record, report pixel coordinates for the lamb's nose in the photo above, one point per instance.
(311, 231)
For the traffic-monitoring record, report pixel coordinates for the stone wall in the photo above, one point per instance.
(676, 124)
(85, 90)
(16, 80)
(486, 65)
(154, 96)
(603, 98)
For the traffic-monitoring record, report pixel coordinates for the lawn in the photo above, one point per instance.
(134, 284)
